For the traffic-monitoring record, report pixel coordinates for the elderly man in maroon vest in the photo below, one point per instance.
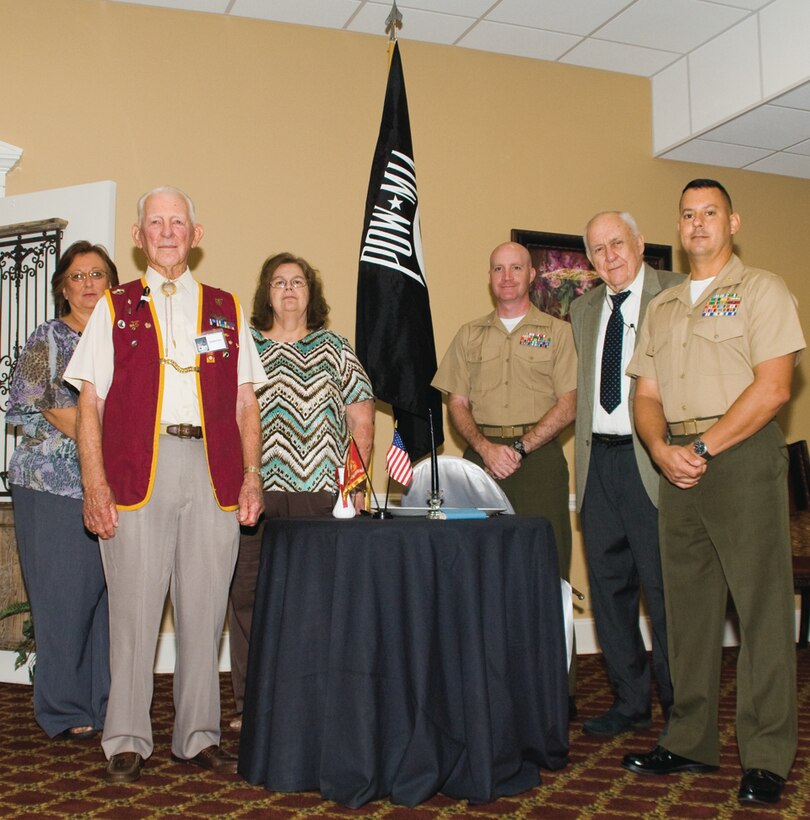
(169, 443)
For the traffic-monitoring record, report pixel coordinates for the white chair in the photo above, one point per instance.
(462, 484)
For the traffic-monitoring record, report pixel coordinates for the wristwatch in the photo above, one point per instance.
(517, 445)
(700, 448)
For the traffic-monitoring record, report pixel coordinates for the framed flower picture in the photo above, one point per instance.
(563, 269)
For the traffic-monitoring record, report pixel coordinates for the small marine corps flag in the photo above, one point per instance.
(354, 471)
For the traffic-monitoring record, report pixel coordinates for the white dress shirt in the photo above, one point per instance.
(617, 423)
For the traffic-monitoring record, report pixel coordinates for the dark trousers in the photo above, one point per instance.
(620, 529)
(730, 534)
(243, 586)
(64, 579)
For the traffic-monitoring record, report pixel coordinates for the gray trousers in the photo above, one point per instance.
(65, 583)
(730, 534)
(183, 542)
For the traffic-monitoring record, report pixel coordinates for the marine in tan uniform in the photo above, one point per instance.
(714, 364)
(511, 380)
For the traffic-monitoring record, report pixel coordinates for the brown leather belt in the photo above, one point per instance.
(691, 427)
(181, 430)
(506, 431)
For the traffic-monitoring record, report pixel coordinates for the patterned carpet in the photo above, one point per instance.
(44, 779)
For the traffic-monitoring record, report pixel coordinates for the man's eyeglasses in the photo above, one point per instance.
(281, 284)
(80, 275)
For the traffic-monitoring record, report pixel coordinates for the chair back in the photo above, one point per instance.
(462, 484)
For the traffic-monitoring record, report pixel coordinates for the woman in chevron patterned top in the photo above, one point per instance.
(317, 394)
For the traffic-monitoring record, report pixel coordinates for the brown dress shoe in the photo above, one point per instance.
(212, 758)
(125, 767)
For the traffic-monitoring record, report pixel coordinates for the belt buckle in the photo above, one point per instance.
(185, 431)
(690, 427)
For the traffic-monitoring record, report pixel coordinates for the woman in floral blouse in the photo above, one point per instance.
(60, 560)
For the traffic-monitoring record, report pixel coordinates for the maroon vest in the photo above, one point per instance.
(131, 424)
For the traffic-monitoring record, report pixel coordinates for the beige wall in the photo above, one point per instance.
(271, 129)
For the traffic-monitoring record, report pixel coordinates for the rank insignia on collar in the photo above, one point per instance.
(535, 340)
(722, 304)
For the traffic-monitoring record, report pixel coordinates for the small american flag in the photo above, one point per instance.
(397, 462)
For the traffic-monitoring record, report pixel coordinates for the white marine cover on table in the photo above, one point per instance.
(462, 484)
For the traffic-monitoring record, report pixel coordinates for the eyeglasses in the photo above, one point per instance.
(281, 284)
(80, 275)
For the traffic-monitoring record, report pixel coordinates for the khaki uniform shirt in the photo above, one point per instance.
(703, 356)
(510, 378)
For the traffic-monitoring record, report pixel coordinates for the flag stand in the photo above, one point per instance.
(435, 501)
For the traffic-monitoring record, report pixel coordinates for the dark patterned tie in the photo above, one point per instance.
(610, 389)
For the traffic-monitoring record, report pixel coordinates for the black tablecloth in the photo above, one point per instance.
(406, 658)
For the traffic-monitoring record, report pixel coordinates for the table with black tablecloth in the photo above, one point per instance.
(405, 658)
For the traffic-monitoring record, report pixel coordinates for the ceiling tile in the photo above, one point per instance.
(671, 117)
(716, 153)
(673, 26)
(768, 126)
(594, 53)
(571, 16)
(800, 148)
(333, 14)
(724, 76)
(464, 8)
(789, 165)
(749, 5)
(416, 24)
(523, 42)
(783, 42)
(798, 98)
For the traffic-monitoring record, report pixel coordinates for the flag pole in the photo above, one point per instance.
(368, 478)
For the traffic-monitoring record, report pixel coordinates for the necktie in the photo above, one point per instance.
(610, 389)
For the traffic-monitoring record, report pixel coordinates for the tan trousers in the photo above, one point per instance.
(183, 542)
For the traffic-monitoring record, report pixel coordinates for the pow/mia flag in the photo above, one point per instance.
(394, 333)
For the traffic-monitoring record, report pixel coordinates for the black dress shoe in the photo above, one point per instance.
(213, 759)
(662, 761)
(125, 767)
(613, 723)
(760, 786)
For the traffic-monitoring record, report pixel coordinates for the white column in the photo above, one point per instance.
(9, 156)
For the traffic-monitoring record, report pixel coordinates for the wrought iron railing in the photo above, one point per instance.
(28, 255)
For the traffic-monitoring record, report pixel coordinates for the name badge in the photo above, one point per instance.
(210, 341)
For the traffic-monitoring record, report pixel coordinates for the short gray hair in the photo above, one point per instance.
(625, 216)
(167, 189)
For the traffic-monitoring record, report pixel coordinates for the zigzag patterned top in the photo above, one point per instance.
(303, 409)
